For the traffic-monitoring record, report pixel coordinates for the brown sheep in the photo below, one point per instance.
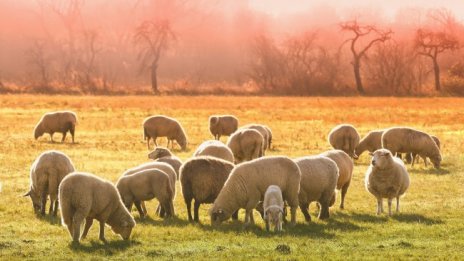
(246, 144)
(163, 126)
(345, 137)
(222, 125)
(59, 121)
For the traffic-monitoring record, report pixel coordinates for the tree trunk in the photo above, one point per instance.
(357, 76)
(154, 78)
(436, 70)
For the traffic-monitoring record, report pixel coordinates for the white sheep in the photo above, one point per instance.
(222, 125)
(59, 121)
(216, 149)
(246, 144)
(163, 126)
(84, 196)
(47, 171)
(273, 205)
(386, 177)
(344, 137)
(264, 130)
(162, 154)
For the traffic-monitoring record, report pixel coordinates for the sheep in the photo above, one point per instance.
(246, 145)
(273, 205)
(319, 176)
(164, 155)
(164, 167)
(371, 142)
(86, 196)
(414, 156)
(386, 177)
(163, 126)
(202, 178)
(248, 182)
(146, 185)
(345, 171)
(47, 171)
(59, 121)
(408, 140)
(345, 137)
(216, 149)
(222, 125)
(264, 131)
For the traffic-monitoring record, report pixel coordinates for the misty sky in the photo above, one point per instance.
(388, 8)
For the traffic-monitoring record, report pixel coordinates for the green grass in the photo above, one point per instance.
(109, 140)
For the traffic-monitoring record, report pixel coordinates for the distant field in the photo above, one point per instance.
(109, 140)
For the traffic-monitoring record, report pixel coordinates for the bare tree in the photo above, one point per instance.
(40, 60)
(362, 31)
(153, 38)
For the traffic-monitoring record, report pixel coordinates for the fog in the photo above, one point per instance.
(241, 46)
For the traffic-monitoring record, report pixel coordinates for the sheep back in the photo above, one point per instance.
(216, 149)
(246, 144)
(222, 125)
(344, 137)
(344, 164)
(163, 126)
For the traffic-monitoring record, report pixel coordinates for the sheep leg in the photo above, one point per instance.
(76, 223)
(139, 208)
(51, 138)
(389, 206)
(267, 224)
(397, 204)
(249, 220)
(235, 215)
(379, 206)
(304, 209)
(156, 144)
(71, 130)
(43, 203)
(64, 137)
(55, 210)
(412, 163)
(279, 226)
(188, 202)
(344, 190)
(196, 207)
(161, 211)
(148, 143)
(144, 208)
(102, 232)
(167, 209)
(88, 224)
(293, 215)
(50, 209)
(324, 211)
(425, 161)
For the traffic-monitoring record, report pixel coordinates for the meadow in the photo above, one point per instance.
(109, 141)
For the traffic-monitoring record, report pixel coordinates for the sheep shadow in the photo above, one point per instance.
(429, 171)
(172, 222)
(52, 220)
(106, 249)
(417, 218)
(383, 218)
(363, 218)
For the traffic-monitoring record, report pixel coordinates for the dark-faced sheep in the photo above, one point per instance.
(163, 126)
(59, 121)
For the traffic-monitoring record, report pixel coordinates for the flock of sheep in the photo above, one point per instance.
(230, 176)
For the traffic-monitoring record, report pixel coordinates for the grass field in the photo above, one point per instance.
(109, 140)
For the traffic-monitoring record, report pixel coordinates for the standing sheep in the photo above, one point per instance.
(165, 155)
(248, 182)
(86, 196)
(59, 121)
(264, 131)
(345, 171)
(414, 156)
(146, 185)
(319, 177)
(163, 126)
(202, 178)
(222, 125)
(345, 137)
(216, 149)
(273, 205)
(386, 177)
(246, 145)
(47, 171)
(408, 140)
(371, 142)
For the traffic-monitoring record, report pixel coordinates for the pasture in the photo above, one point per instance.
(109, 141)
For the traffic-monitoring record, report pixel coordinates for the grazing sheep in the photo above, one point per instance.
(202, 178)
(164, 167)
(408, 140)
(319, 176)
(345, 171)
(263, 130)
(273, 205)
(146, 185)
(47, 171)
(59, 121)
(246, 145)
(414, 156)
(164, 155)
(345, 137)
(222, 125)
(248, 182)
(163, 126)
(86, 196)
(386, 177)
(371, 142)
(216, 149)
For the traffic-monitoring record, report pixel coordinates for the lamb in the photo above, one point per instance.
(59, 121)
(408, 140)
(345, 171)
(319, 176)
(216, 149)
(273, 205)
(246, 145)
(164, 167)
(248, 182)
(163, 126)
(86, 196)
(264, 131)
(345, 137)
(222, 125)
(164, 155)
(47, 171)
(202, 178)
(146, 185)
(371, 142)
(386, 177)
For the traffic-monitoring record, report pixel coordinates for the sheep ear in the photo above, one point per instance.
(27, 194)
